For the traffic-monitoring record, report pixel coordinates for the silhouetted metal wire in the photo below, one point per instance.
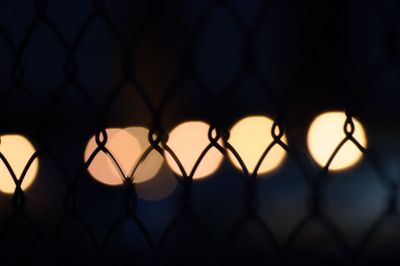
(317, 182)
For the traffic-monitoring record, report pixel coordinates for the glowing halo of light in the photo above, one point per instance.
(154, 160)
(324, 135)
(162, 185)
(188, 140)
(119, 144)
(17, 150)
(250, 137)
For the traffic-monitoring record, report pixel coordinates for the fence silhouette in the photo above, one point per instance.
(71, 70)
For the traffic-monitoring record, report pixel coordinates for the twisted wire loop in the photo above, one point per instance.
(318, 203)
(218, 135)
(371, 82)
(250, 210)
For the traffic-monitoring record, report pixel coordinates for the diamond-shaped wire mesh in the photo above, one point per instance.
(71, 69)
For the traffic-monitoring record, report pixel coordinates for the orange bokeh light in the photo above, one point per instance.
(188, 140)
(18, 151)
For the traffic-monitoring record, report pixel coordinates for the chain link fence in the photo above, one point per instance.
(72, 69)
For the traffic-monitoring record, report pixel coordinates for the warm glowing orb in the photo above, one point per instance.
(188, 140)
(159, 187)
(18, 151)
(127, 146)
(250, 137)
(325, 134)
(153, 161)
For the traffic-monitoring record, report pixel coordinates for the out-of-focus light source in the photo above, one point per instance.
(159, 187)
(18, 151)
(154, 160)
(102, 168)
(188, 140)
(325, 134)
(126, 146)
(250, 137)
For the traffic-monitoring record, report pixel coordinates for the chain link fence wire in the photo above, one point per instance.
(72, 69)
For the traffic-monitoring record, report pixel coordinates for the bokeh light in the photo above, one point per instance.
(325, 134)
(102, 167)
(188, 140)
(250, 137)
(18, 151)
(159, 187)
(127, 147)
(152, 163)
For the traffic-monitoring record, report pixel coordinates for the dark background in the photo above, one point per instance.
(70, 68)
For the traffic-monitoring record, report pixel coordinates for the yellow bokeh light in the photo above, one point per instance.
(152, 163)
(188, 140)
(159, 187)
(250, 137)
(127, 146)
(18, 151)
(325, 134)
(102, 167)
